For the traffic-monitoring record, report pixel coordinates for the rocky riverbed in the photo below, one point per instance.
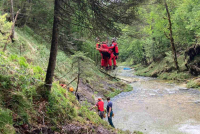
(156, 106)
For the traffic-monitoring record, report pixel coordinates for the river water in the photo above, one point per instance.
(156, 107)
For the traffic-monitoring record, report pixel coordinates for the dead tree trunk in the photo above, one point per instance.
(171, 37)
(54, 48)
(9, 37)
(12, 18)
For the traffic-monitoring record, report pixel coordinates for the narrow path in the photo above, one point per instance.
(156, 107)
(29, 44)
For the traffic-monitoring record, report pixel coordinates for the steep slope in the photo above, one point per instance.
(22, 107)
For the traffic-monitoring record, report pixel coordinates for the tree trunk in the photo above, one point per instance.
(28, 14)
(171, 37)
(54, 49)
(144, 58)
(12, 18)
(153, 49)
(78, 76)
(13, 26)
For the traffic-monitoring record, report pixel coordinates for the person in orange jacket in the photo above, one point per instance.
(115, 52)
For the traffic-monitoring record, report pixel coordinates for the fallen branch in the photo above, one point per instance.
(116, 78)
(72, 81)
(109, 75)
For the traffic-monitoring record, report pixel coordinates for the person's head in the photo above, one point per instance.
(99, 99)
(108, 99)
(106, 41)
(97, 39)
(113, 39)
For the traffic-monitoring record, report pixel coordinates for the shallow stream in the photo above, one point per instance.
(156, 107)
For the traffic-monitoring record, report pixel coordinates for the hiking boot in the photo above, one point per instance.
(114, 67)
(108, 68)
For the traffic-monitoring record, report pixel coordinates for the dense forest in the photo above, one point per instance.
(48, 43)
(164, 41)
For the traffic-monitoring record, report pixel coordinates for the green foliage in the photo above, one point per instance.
(174, 76)
(5, 81)
(112, 94)
(192, 84)
(6, 121)
(61, 108)
(169, 57)
(128, 88)
(19, 104)
(151, 32)
(38, 72)
(21, 60)
(5, 117)
(5, 28)
(164, 69)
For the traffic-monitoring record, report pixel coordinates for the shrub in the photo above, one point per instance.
(128, 88)
(22, 62)
(6, 121)
(59, 107)
(5, 28)
(192, 84)
(112, 94)
(5, 82)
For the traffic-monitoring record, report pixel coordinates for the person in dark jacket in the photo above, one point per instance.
(110, 112)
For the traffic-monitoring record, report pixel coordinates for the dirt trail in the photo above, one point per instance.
(29, 44)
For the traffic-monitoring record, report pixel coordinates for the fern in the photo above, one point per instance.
(169, 57)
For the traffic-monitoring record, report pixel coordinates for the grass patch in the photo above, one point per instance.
(6, 121)
(113, 94)
(128, 88)
(175, 76)
(193, 84)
